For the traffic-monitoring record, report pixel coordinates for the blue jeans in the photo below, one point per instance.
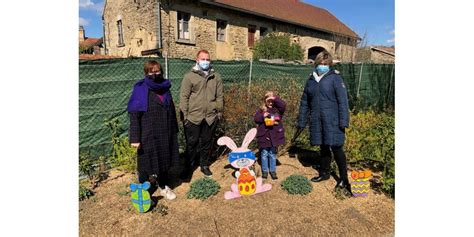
(268, 155)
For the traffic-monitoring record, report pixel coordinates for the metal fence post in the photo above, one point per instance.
(360, 79)
(248, 89)
(389, 95)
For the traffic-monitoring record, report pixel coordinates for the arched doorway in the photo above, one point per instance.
(313, 51)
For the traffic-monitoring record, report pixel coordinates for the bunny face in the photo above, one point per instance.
(240, 156)
(241, 159)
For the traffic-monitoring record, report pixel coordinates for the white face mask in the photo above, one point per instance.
(203, 64)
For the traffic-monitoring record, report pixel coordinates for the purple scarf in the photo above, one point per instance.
(139, 100)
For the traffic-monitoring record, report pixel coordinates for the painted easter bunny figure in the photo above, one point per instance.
(242, 158)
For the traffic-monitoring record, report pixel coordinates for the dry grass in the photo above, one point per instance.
(274, 213)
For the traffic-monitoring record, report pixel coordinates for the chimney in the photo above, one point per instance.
(82, 35)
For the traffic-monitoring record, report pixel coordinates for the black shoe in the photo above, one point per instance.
(344, 185)
(264, 175)
(274, 175)
(322, 177)
(206, 171)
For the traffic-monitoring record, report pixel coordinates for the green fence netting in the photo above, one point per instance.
(105, 87)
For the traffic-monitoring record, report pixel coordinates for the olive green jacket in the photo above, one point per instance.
(201, 97)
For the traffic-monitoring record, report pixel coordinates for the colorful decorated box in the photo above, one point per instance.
(140, 196)
(361, 184)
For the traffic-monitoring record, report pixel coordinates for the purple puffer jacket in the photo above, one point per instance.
(271, 136)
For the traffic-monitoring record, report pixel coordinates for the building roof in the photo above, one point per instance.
(290, 11)
(89, 42)
(387, 50)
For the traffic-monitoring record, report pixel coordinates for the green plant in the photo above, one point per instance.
(124, 157)
(94, 172)
(85, 49)
(203, 188)
(370, 143)
(84, 193)
(87, 168)
(277, 45)
(297, 184)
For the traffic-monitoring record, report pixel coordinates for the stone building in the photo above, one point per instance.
(228, 29)
(378, 54)
(89, 45)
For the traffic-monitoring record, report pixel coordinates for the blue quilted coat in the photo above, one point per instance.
(326, 104)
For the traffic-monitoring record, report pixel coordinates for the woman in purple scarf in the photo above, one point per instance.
(154, 127)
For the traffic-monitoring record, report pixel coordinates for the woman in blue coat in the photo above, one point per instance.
(325, 101)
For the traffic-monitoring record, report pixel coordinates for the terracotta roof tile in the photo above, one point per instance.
(292, 11)
(91, 42)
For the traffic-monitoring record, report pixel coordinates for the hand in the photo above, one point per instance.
(271, 98)
(186, 122)
(135, 144)
(266, 114)
(219, 115)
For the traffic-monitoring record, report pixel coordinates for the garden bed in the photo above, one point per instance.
(109, 211)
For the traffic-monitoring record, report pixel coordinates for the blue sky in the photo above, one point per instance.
(374, 17)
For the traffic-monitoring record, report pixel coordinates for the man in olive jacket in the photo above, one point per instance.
(201, 104)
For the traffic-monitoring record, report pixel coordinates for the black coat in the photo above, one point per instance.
(327, 105)
(157, 132)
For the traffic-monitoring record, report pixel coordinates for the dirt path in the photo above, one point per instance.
(274, 213)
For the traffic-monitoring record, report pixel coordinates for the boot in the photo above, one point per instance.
(344, 185)
(322, 176)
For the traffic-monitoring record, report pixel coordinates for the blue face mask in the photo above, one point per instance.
(204, 65)
(321, 69)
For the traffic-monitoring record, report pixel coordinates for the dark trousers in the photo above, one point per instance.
(339, 157)
(198, 143)
(162, 178)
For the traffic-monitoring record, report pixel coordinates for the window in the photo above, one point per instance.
(251, 36)
(263, 32)
(120, 33)
(221, 27)
(183, 25)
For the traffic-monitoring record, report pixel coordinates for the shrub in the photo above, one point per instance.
(297, 184)
(276, 46)
(84, 193)
(370, 143)
(124, 157)
(85, 49)
(203, 188)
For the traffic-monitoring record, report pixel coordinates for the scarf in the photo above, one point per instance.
(139, 100)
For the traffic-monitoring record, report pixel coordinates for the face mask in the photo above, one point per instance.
(321, 69)
(204, 65)
(156, 77)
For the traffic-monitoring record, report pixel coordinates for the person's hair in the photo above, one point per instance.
(323, 56)
(150, 65)
(267, 94)
(202, 51)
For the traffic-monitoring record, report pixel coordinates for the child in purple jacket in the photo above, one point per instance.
(270, 132)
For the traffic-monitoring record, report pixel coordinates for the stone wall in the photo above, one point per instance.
(138, 26)
(380, 57)
(139, 19)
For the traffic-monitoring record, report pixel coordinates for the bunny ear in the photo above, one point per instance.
(228, 142)
(249, 137)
